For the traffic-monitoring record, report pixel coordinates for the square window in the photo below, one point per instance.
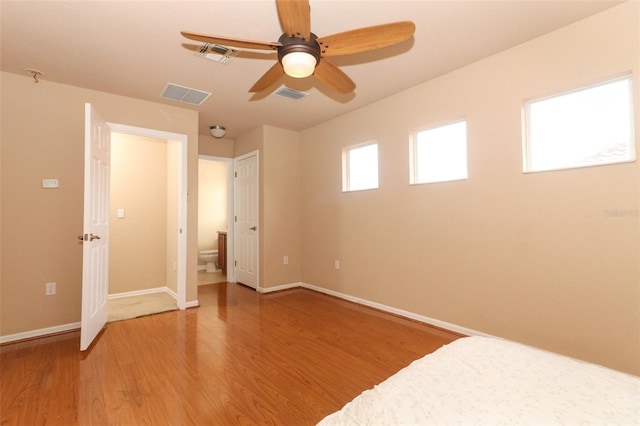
(439, 154)
(360, 167)
(586, 127)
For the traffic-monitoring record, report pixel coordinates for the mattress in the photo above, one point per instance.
(489, 381)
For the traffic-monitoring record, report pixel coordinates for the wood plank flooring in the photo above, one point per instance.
(241, 358)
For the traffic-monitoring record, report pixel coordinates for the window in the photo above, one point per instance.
(439, 154)
(360, 167)
(585, 127)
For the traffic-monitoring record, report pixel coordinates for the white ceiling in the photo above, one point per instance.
(134, 48)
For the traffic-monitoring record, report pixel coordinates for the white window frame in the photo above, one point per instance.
(527, 156)
(413, 155)
(346, 172)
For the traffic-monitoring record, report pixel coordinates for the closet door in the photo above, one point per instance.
(246, 217)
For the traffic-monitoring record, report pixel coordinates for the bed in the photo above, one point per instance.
(489, 381)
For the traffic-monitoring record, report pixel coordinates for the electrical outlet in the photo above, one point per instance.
(50, 289)
(337, 264)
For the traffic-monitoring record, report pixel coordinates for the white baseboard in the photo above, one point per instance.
(143, 292)
(400, 312)
(192, 304)
(279, 287)
(76, 325)
(40, 332)
(171, 293)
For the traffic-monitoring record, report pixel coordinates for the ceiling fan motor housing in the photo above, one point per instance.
(292, 44)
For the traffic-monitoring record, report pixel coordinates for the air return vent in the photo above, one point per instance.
(187, 95)
(217, 53)
(285, 92)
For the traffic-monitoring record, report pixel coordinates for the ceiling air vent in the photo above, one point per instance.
(187, 95)
(285, 92)
(217, 53)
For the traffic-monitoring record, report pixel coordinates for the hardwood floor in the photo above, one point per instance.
(286, 358)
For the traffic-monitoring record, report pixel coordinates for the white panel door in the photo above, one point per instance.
(246, 220)
(95, 253)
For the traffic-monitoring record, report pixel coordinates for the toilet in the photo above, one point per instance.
(210, 257)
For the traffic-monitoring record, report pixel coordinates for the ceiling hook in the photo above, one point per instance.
(34, 73)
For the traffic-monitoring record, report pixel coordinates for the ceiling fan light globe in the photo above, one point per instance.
(299, 64)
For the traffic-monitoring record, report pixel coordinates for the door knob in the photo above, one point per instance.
(253, 228)
(88, 237)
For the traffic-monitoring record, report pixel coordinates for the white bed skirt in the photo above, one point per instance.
(488, 381)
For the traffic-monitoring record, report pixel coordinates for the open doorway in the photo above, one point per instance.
(215, 216)
(147, 272)
(96, 223)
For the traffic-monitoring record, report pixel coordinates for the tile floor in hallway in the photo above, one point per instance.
(205, 277)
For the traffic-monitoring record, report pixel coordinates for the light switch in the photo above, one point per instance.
(120, 213)
(50, 183)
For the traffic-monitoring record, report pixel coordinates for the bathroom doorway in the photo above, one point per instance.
(215, 213)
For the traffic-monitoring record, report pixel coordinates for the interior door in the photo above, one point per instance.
(246, 220)
(95, 237)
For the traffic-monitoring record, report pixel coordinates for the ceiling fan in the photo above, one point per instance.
(301, 53)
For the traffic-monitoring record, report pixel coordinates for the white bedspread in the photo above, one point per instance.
(485, 381)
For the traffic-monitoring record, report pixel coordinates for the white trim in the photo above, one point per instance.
(183, 191)
(192, 304)
(385, 308)
(182, 139)
(399, 312)
(143, 292)
(266, 290)
(42, 332)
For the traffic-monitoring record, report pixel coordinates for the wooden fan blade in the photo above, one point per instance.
(295, 17)
(271, 76)
(328, 73)
(235, 42)
(365, 39)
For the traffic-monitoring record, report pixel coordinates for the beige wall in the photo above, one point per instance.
(249, 142)
(529, 257)
(138, 241)
(280, 208)
(208, 145)
(43, 137)
(212, 203)
(279, 202)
